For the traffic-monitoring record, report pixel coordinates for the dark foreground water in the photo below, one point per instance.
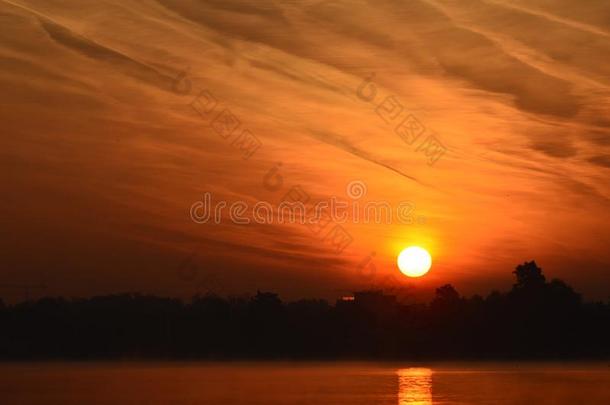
(305, 383)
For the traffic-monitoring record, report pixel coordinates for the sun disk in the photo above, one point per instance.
(414, 261)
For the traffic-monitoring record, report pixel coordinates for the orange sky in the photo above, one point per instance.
(102, 156)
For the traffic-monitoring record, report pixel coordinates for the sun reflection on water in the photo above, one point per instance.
(414, 386)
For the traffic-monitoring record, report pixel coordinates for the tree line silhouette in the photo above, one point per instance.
(536, 319)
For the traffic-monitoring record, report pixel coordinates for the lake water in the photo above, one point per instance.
(303, 383)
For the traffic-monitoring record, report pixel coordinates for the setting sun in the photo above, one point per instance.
(414, 261)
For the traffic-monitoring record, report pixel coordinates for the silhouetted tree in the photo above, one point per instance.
(529, 275)
(446, 295)
(535, 319)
